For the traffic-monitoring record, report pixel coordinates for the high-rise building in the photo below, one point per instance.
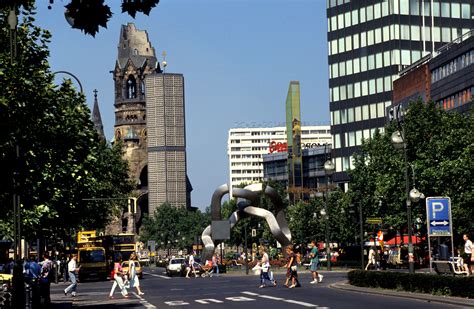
(246, 147)
(369, 42)
(167, 179)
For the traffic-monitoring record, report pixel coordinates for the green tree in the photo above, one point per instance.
(61, 159)
(440, 148)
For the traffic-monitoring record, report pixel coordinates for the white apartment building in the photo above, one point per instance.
(246, 146)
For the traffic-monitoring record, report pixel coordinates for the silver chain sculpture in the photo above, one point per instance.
(248, 201)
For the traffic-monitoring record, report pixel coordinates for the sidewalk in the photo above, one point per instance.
(344, 285)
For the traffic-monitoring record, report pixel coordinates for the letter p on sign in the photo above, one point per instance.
(436, 207)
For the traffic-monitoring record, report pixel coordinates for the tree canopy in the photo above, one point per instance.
(440, 148)
(61, 159)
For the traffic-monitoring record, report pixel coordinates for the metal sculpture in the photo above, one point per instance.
(248, 202)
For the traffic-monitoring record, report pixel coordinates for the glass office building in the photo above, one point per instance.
(369, 42)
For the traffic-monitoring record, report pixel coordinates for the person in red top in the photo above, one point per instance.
(118, 279)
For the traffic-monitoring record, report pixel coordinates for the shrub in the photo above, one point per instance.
(423, 283)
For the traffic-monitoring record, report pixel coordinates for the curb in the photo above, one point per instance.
(344, 285)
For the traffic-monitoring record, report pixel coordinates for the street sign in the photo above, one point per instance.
(438, 214)
(374, 220)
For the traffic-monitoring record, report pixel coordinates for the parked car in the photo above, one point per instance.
(138, 268)
(175, 266)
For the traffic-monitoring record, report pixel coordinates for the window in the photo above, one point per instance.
(343, 116)
(414, 7)
(436, 9)
(363, 39)
(387, 83)
(355, 17)
(333, 23)
(456, 10)
(404, 9)
(347, 19)
(446, 34)
(337, 141)
(377, 10)
(445, 9)
(427, 32)
(386, 33)
(335, 70)
(357, 90)
(378, 60)
(365, 88)
(365, 112)
(378, 35)
(379, 84)
(348, 43)
(342, 92)
(385, 8)
(358, 113)
(340, 21)
(437, 34)
(356, 65)
(426, 10)
(371, 62)
(358, 137)
(355, 40)
(350, 114)
(334, 47)
(386, 58)
(372, 89)
(338, 165)
(370, 12)
(351, 141)
(342, 68)
(415, 33)
(363, 64)
(335, 94)
(370, 37)
(405, 30)
(415, 55)
(349, 67)
(350, 91)
(405, 57)
(395, 57)
(336, 118)
(466, 9)
(362, 15)
(380, 109)
(373, 111)
(341, 45)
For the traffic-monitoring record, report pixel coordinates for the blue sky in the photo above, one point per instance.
(237, 57)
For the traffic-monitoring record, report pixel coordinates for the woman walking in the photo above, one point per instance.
(132, 274)
(118, 279)
(291, 266)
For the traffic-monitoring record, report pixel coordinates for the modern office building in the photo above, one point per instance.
(369, 42)
(446, 77)
(167, 172)
(246, 147)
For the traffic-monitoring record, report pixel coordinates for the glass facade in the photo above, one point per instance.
(369, 42)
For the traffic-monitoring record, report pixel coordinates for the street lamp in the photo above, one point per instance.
(73, 76)
(329, 169)
(399, 142)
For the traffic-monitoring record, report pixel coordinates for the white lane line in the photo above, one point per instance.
(250, 293)
(144, 302)
(159, 276)
(301, 303)
(270, 297)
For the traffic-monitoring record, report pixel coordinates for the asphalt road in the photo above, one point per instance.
(234, 290)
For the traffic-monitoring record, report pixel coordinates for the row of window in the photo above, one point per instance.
(246, 156)
(358, 89)
(259, 171)
(394, 32)
(245, 179)
(359, 113)
(246, 163)
(457, 99)
(404, 7)
(453, 66)
(354, 138)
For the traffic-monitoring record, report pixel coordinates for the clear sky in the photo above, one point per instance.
(237, 57)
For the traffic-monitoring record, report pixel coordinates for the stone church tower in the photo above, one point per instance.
(136, 59)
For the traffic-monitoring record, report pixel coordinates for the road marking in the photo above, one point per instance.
(301, 303)
(144, 302)
(240, 298)
(206, 301)
(176, 303)
(159, 276)
(291, 301)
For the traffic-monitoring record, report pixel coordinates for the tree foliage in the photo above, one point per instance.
(88, 15)
(61, 160)
(440, 149)
(173, 227)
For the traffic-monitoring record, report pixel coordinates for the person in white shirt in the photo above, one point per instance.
(371, 259)
(191, 265)
(467, 254)
(72, 271)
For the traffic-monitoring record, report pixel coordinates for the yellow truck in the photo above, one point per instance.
(92, 257)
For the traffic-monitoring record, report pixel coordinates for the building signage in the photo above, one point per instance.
(283, 146)
(438, 213)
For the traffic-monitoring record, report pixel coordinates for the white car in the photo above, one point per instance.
(175, 266)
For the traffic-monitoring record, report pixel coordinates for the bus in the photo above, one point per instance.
(124, 245)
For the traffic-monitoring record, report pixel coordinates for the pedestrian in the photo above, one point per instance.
(118, 277)
(265, 269)
(132, 274)
(468, 259)
(215, 265)
(191, 265)
(45, 281)
(291, 269)
(371, 259)
(72, 270)
(314, 255)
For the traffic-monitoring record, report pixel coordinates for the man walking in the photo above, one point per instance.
(314, 255)
(72, 272)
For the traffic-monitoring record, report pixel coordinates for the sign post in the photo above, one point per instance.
(439, 221)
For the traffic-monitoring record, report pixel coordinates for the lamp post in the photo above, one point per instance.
(73, 76)
(329, 171)
(399, 142)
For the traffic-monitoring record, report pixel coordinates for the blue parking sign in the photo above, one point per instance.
(438, 216)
